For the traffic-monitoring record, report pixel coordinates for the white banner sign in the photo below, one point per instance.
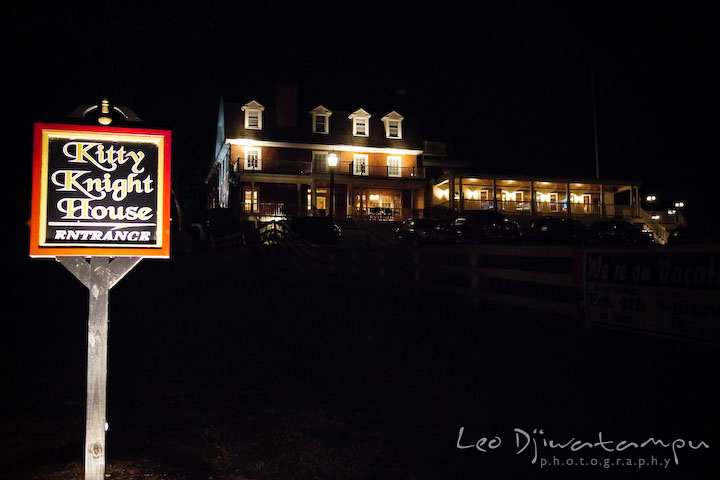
(656, 291)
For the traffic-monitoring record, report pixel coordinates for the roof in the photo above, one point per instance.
(340, 127)
(539, 178)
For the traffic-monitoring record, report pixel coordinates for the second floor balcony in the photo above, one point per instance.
(290, 167)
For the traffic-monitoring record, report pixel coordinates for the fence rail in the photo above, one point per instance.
(298, 256)
(535, 277)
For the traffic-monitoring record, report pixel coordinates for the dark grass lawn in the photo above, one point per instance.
(220, 369)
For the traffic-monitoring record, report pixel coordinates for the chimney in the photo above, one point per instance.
(286, 99)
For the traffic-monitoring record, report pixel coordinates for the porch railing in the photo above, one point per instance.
(542, 208)
(660, 232)
(273, 166)
(514, 207)
(306, 168)
(377, 171)
(470, 204)
(381, 214)
(550, 208)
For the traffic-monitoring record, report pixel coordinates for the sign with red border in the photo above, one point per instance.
(100, 191)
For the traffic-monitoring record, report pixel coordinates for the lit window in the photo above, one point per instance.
(361, 123)
(251, 200)
(253, 160)
(394, 129)
(253, 115)
(320, 119)
(360, 164)
(360, 127)
(393, 166)
(393, 125)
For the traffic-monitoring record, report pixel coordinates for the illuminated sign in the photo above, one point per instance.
(100, 191)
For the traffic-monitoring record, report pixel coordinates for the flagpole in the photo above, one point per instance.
(597, 158)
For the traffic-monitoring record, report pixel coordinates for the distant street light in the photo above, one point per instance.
(651, 198)
(679, 204)
(332, 160)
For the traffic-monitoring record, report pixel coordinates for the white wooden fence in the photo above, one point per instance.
(536, 277)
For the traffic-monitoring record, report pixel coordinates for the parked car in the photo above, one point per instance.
(618, 232)
(551, 230)
(418, 231)
(220, 226)
(320, 230)
(691, 236)
(478, 226)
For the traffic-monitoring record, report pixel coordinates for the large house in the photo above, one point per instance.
(271, 161)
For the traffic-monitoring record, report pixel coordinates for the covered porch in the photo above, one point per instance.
(537, 196)
(274, 196)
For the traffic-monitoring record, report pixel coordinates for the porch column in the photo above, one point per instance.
(299, 198)
(252, 196)
(313, 198)
(428, 194)
(602, 201)
(451, 192)
(567, 196)
(533, 206)
(412, 202)
(351, 200)
(347, 200)
(634, 203)
(495, 195)
(462, 198)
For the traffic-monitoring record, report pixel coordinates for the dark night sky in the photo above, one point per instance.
(508, 86)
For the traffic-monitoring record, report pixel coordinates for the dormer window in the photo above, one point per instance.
(393, 125)
(360, 127)
(361, 123)
(320, 119)
(393, 129)
(253, 115)
(320, 124)
(253, 119)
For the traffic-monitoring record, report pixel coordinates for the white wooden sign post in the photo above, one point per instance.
(99, 276)
(100, 204)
